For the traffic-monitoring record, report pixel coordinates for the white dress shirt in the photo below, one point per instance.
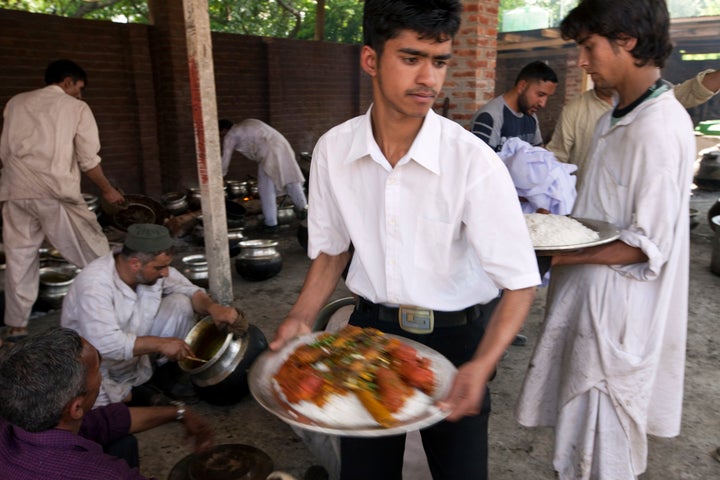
(441, 230)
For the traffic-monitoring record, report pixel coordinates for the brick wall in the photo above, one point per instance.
(115, 59)
(471, 79)
(139, 91)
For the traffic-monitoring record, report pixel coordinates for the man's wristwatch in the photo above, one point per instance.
(180, 413)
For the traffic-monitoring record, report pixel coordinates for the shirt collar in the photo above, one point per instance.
(425, 149)
(54, 438)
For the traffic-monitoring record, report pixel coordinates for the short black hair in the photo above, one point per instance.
(647, 21)
(59, 70)
(225, 124)
(385, 19)
(537, 71)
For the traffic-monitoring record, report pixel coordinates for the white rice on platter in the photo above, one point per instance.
(347, 412)
(557, 230)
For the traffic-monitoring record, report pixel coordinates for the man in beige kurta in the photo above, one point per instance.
(574, 130)
(49, 137)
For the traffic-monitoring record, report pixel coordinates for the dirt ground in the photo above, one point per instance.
(515, 452)
(518, 452)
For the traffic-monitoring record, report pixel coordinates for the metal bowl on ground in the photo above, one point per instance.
(137, 209)
(222, 379)
(93, 203)
(235, 214)
(195, 268)
(55, 283)
(712, 212)
(286, 214)
(194, 197)
(224, 462)
(258, 260)
(175, 202)
(237, 189)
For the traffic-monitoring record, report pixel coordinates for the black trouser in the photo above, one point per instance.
(455, 450)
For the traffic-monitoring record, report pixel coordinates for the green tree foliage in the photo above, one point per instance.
(273, 18)
(295, 18)
(560, 8)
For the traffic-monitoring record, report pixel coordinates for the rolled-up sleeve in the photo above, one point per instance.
(87, 140)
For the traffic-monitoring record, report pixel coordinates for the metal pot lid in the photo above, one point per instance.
(137, 209)
(224, 462)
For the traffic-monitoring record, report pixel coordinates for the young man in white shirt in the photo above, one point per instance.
(410, 190)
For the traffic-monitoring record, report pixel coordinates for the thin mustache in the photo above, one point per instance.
(423, 91)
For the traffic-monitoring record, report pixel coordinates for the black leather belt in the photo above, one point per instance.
(416, 319)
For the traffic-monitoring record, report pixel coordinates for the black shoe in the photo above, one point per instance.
(520, 341)
(270, 229)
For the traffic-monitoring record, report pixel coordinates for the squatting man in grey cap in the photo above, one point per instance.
(136, 310)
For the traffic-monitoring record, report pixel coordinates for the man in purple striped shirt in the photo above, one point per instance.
(48, 429)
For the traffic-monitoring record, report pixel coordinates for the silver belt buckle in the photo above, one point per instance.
(416, 320)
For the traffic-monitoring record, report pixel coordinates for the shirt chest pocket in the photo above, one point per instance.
(432, 245)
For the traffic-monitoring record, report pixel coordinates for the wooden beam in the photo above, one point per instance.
(207, 147)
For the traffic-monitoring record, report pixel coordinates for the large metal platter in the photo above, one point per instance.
(267, 364)
(607, 232)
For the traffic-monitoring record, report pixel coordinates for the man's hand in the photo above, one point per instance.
(467, 391)
(198, 430)
(289, 329)
(113, 196)
(222, 314)
(173, 348)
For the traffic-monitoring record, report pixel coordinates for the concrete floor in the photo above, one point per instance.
(515, 452)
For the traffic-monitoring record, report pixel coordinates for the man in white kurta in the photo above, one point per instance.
(608, 367)
(278, 171)
(49, 137)
(136, 311)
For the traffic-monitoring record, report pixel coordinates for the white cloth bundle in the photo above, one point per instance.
(539, 177)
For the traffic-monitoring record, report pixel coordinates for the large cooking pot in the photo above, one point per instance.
(258, 259)
(222, 380)
(235, 214)
(55, 283)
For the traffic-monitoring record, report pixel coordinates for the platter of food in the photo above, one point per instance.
(356, 382)
(551, 234)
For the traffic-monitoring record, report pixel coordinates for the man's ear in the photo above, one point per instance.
(627, 43)
(369, 60)
(67, 84)
(135, 264)
(521, 86)
(75, 410)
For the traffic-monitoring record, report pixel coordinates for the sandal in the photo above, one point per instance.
(14, 334)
